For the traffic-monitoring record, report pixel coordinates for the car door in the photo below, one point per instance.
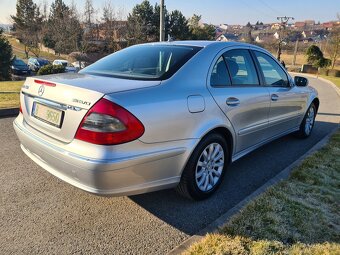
(286, 103)
(235, 86)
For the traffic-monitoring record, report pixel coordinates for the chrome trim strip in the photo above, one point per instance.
(254, 147)
(253, 128)
(54, 104)
(283, 119)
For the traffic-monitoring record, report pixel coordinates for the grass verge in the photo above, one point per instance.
(335, 80)
(11, 85)
(10, 100)
(297, 216)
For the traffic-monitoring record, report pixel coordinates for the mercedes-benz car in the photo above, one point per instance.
(161, 115)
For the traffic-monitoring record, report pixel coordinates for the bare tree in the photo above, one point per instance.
(89, 11)
(113, 26)
(334, 44)
(90, 30)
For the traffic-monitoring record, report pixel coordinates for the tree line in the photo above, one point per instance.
(65, 29)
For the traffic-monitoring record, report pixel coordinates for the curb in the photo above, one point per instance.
(11, 112)
(221, 221)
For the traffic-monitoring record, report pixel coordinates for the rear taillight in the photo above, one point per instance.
(107, 123)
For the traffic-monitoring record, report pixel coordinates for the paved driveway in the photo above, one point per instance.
(41, 215)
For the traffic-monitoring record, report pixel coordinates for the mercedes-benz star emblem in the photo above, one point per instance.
(41, 90)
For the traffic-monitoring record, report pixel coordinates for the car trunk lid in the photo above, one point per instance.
(56, 104)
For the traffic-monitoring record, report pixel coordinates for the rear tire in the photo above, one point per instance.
(205, 169)
(307, 123)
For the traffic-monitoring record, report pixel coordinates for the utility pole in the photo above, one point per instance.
(161, 22)
(284, 20)
(295, 51)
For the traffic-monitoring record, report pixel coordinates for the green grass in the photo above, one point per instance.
(335, 80)
(11, 85)
(10, 100)
(297, 216)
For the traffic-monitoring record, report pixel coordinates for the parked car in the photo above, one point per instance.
(19, 67)
(161, 115)
(36, 63)
(68, 67)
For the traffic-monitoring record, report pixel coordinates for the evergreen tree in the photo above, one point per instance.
(178, 26)
(5, 57)
(28, 25)
(199, 31)
(64, 30)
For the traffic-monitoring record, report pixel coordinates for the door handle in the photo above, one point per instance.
(232, 101)
(274, 97)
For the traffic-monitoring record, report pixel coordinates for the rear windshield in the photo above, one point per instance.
(143, 62)
(42, 61)
(19, 62)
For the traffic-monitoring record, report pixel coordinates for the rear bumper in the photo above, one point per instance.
(140, 173)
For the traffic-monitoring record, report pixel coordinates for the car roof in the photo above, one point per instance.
(203, 44)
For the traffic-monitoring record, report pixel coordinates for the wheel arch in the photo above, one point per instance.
(223, 131)
(316, 102)
(227, 135)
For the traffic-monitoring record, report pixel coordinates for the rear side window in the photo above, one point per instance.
(241, 67)
(143, 62)
(219, 75)
(272, 72)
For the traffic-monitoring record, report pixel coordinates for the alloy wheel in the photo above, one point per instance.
(209, 167)
(309, 120)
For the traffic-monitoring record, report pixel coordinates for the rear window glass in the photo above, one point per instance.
(143, 62)
(19, 62)
(42, 61)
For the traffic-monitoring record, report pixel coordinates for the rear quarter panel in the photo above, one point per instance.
(163, 109)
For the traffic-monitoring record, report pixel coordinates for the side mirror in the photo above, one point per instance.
(300, 81)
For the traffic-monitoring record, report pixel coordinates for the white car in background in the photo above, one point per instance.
(78, 66)
(68, 67)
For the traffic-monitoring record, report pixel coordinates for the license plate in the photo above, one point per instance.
(47, 114)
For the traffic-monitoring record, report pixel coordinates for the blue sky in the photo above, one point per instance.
(220, 11)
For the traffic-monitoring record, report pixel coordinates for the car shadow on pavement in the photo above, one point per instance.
(242, 178)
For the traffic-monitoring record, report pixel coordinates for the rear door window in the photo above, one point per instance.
(219, 75)
(241, 67)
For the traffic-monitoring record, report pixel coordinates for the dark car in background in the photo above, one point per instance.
(19, 67)
(36, 63)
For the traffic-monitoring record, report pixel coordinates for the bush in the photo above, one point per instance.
(315, 57)
(334, 72)
(51, 69)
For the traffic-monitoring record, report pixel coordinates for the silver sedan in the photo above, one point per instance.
(161, 115)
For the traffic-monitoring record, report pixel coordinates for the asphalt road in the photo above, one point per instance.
(40, 214)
